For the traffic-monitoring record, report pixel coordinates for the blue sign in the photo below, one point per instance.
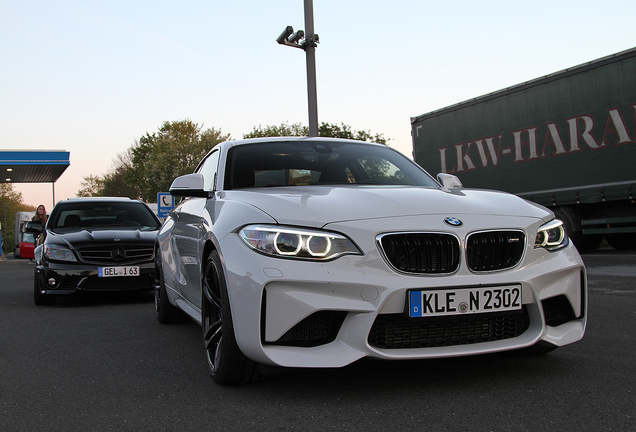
(165, 203)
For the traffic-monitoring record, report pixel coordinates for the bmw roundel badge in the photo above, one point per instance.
(454, 222)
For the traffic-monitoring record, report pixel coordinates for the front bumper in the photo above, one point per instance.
(64, 279)
(273, 298)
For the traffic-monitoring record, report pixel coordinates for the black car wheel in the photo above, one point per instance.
(228, 365)
(166, 312)
(38, 298)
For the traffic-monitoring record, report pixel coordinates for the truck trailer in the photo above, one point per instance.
(566, 141)
(21, 218)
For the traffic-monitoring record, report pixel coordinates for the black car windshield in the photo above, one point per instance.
(103, 214)
(320, 163)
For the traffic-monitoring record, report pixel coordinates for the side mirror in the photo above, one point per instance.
(449, 181)
(33, 227)
(189, 185)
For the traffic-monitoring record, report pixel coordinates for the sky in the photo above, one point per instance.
(91, 77)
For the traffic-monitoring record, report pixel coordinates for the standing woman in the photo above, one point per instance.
(40, 216)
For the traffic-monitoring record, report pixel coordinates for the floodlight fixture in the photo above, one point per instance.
(285, 35)
(296, 37)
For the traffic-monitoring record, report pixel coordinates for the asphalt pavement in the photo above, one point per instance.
(103, 363)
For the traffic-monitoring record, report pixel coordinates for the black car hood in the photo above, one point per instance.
(76, 237)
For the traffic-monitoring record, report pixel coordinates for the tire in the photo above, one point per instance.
(626, 241)
(591, 242)
(228, 365)
(166, 312)
(38, 298)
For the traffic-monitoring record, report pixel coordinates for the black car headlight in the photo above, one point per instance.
(58, 253)
(287, 242)
(551, 236)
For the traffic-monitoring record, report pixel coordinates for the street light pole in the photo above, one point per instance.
(306, 40)
(310, 50)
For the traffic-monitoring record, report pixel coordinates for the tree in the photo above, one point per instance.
(325, 130)
(295, 129)
(344, 131)
(115, 183)
(91, 186)
(10, 203)
(154, 161)
(158, 158)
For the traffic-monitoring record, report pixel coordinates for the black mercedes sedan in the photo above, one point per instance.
(95, 244)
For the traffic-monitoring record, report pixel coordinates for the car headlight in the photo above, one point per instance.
(551, 236)
(58, 253)
(286, 242)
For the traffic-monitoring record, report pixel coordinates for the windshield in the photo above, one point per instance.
(320, 163)
(103, 214)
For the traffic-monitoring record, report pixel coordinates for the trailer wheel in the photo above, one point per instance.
(591, 242)
(626, 241)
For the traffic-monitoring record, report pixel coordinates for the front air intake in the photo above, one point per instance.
(397, 331)
(317, 329)
(557, 310)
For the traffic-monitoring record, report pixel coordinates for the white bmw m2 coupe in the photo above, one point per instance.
(317, 252)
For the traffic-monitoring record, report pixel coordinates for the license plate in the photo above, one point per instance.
(117, 271)
(464, 301)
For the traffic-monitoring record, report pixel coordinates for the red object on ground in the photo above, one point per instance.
(26, 250)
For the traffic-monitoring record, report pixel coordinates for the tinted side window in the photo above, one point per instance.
(209, 169)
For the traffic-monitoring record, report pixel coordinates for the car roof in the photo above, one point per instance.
(93, 199)
(76, 200)
(298, 139)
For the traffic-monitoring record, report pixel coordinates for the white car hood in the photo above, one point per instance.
(318, 205)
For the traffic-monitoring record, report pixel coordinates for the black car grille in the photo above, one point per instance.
(435, 253)
(422, 252)
(116, 254)
(494, 250)
(395, 331)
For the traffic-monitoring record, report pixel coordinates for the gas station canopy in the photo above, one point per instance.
(32, 166)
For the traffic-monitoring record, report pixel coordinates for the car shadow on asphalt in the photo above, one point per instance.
(433, 374)
(92, 299)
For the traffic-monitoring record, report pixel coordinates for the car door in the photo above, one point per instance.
(191, 222)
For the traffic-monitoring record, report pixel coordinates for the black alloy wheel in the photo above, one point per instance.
(228, 365)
